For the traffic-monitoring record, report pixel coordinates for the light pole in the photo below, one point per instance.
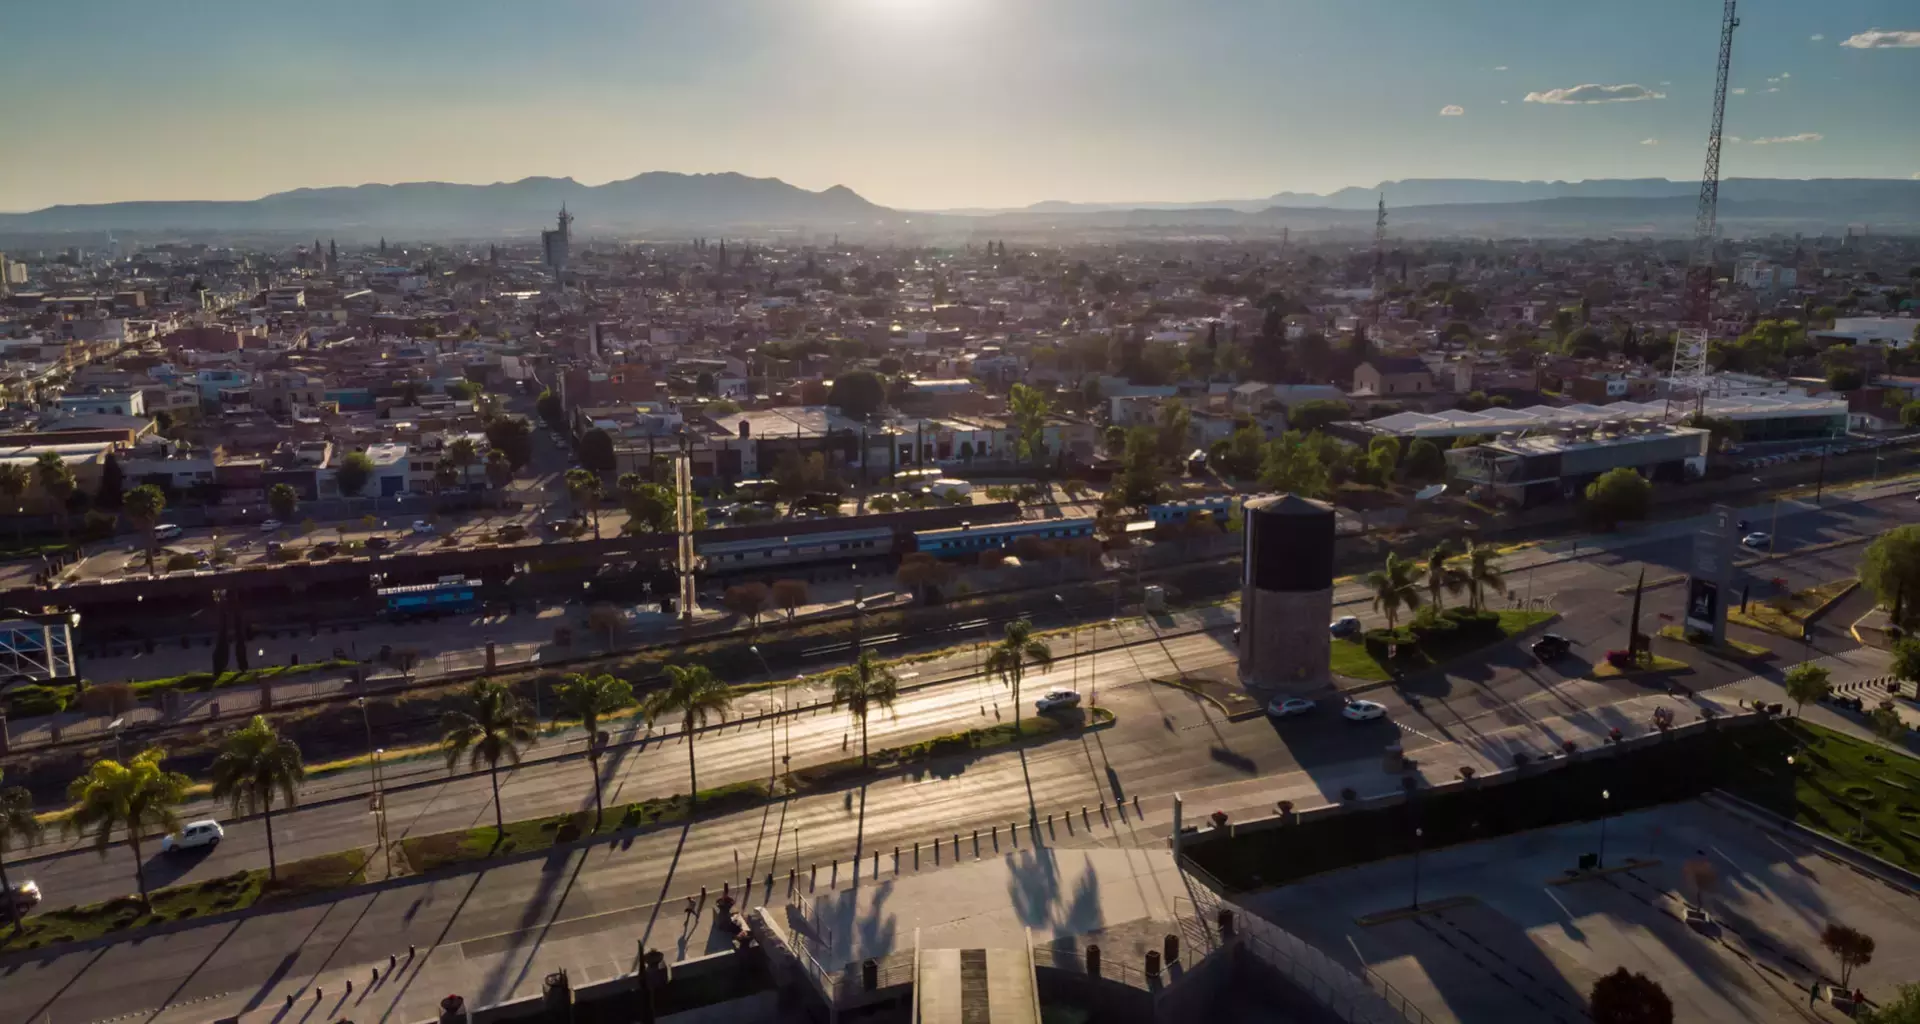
(1073, 638)
(380, 812)
(1417, 833)
(1600, 859)
(1773, 525)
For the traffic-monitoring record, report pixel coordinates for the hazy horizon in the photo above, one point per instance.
(939, 104)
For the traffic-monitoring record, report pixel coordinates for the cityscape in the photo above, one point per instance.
(612, 578)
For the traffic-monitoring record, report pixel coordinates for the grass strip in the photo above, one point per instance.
(1787, 614)
(236, 891)
(1856, 791)
(1733, 648)
(1352, 657)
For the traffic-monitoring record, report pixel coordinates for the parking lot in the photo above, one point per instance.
(1498, 939)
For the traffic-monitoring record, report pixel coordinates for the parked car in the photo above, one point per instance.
(1551, 647)
(195, 835)
(422, 528)
(167, 531)
(1054, 699)
(24, 895)
(1363, 711)
(378, 543)
(1287, 707)
(1757, 540)
(1345, 625)
(271, 525)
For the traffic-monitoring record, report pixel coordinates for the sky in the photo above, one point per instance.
(934, 104)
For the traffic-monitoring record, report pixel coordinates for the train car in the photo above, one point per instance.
(800, 550)
(968, 539)
(449, 594)
(1174, 512)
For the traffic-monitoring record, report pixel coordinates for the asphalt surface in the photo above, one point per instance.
(1165, 740)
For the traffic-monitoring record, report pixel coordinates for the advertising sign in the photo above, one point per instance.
(1703, 605)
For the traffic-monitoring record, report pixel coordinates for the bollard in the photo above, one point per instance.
(1153, 963)
(996, 835)
(1093, 960)
(790, 877)
(876, 862)
(1226, 921)
(703, 894)
(869, 974)
(1173, 949)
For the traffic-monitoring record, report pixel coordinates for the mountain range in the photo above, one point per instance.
(662, 200)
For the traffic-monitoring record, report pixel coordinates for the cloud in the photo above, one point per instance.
(1802, 137)
(1649, 142)
(1502, 67)
(1774, 89)
(1742, 91)
(1666, 83)
(1786, 74)
(1882, 39)
(1772, 80)
(1596, 94)
(1817, 36)
(1452, 110)
(1729, 138)
(1503, 103)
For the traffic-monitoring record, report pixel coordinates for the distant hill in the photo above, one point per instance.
(432, 208)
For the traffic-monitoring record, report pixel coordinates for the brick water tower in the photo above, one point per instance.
(1286, 599)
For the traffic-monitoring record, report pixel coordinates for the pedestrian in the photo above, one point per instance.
(349, 986)
(376, 976)
(1859, 996)
(316, 993)
(1813, 992)
(394, 961)
(289, 1000)
(692, 908)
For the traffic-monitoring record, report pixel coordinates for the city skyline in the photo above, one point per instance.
(940, 104)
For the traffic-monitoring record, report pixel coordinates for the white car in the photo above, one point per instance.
(1363, 711)
(1757, 540)
(422, 527)
(271, 525)
(24, 895)
(1053, 699)
(167, 531)
(1287, 707)
(195, 835)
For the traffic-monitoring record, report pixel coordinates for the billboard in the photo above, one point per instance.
(1703, 605)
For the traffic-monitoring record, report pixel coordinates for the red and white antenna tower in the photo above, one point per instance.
(1690, 369)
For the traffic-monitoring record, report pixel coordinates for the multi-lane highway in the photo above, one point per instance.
(1165, 740)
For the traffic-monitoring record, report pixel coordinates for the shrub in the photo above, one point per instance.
(37, 699)
(180, 561)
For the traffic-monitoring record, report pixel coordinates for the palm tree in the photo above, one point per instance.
(494, 725)
(254, 764)
(14, 480)
(143, 506)
(17, 825)
(137, 796)
(863, 686)
(499, 469)
(583, 487)
(56, 478)
(693, 693)
(587, 698)
(1441, 576)
(1009, 658)
(464, 454)
(1483, 572)
(1394, 588)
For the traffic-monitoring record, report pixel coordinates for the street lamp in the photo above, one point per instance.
(1073, 638)
(1417, 833)
(1773, 526)
(380, 812)
(1600, 859)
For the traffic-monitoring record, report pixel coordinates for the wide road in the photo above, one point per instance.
(1165, 741)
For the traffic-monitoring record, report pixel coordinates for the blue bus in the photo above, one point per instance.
(448, 594)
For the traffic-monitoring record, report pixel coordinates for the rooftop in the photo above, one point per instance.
(1455, 422)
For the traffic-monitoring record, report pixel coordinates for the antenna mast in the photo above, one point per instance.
(1380, 258)
(1690, 369)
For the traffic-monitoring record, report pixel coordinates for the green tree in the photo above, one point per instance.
(1311, 415)
(14, 480)
(596, 451)
(1910, 413)
(1027, 410)
(693, 693)
(1395, 586)
(1619, 495)
(1293, 465)
(1906, 659)
(19, 829)
(513, 435)
(462, 390)
(1887, 724)
(548, 408)
(1625, 997)
(1440, 575)
(283, 500)
(1903, 1009)
(1890, 568)
(492, 727)
(583, 489)
(463, 454)
(135, 796)
(353, 473)
(1009, 659)
(256, 763)
(1140, 481)
(56, 478)
(1807, 682)
(650, 507)
(113, 482)
(1482, 572)
(589, 698)
(143, 505)
(1173, 426)
(858, 394)
(863, 686)
(499, 469)
(1424, 462)
(1846, 378)
(1852, 947)
(1240, 459)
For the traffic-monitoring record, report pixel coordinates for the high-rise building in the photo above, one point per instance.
(555, 245)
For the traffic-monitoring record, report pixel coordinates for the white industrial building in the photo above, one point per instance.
(1758, 417)
(1891, 331)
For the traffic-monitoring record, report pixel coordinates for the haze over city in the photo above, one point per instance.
(936, 104)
